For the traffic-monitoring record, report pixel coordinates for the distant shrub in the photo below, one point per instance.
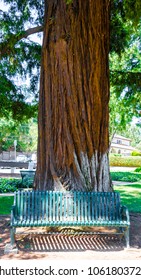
(12, 185)
(127, 161)
(136, 153)
(138, 169)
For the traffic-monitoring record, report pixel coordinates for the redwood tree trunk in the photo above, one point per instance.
(74, 95)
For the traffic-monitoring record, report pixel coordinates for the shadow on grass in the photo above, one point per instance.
(133, 186)
(130, 196)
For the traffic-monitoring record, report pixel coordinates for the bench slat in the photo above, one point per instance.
(47, 206)
(50, 206)
(74, 208)
(32, 197)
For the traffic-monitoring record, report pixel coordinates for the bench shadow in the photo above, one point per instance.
(69, 243)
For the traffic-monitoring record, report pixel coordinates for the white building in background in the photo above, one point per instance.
(121, 145)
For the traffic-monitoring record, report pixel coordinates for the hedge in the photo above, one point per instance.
(12, 185)
(127, 161)
(138, 169)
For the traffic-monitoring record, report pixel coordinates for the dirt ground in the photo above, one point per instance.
(58, 247)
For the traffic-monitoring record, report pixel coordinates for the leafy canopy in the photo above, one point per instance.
(20, 56)
(24, 133)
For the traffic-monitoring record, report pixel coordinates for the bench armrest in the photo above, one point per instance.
(125, 213)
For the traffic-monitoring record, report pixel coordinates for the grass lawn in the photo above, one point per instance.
(130, 196)
(125, 176)
(5, 204)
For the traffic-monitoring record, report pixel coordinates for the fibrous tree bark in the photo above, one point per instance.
(73, 139)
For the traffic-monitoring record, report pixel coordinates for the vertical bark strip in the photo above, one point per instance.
(74, 95)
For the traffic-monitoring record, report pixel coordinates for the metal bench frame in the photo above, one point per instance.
(69, 209)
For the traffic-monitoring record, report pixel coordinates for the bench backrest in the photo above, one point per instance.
(72, 206)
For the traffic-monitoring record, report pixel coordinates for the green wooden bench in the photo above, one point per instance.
(69, 209)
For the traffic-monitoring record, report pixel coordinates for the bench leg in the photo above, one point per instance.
(12, 236)
(127, 237)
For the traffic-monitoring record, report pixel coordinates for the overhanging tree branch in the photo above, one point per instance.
(7, 47)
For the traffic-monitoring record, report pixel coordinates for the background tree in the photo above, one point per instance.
(20, 59)
(74, 85)
(125, 101)
(24, 133)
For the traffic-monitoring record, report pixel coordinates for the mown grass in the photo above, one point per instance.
(5, 204)
(125, 176)
(130, 196)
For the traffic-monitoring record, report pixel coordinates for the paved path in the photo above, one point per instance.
(122, 169)
(123, 183)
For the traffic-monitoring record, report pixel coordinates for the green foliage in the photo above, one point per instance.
(69, 2)
(138, 169)
(134, 133)
(130, 196)
(125, 78)
(12, 185)
(125, 176)
(120, 115)
(25, 134)
(127, 161)
(136, 153)
(9, 185)
(123, 22)
(6, 204)
(21, 58)
(125, 64)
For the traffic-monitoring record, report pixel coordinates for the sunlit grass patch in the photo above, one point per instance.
(130, 196)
